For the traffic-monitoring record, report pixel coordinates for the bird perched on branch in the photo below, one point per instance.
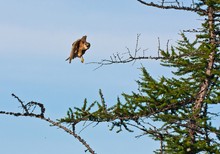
(79, 48)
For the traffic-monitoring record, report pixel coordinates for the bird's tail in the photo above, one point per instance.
(68, 59)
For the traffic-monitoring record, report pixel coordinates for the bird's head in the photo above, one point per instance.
(84, 44)
(87, 44)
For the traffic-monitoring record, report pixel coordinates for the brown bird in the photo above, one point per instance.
(79, 48)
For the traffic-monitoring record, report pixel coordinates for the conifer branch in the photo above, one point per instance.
(112, 114)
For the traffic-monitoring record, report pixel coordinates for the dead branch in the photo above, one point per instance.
(127, 57)
(27, 113)
(170, 5)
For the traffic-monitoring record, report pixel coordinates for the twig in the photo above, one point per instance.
(158, 52)
(22, 104)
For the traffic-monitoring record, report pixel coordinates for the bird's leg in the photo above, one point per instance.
(82, 59)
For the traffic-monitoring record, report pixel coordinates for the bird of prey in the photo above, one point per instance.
(79, 48)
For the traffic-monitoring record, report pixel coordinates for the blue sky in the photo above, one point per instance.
(36, 38)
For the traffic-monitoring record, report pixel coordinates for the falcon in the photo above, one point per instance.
(79, 48)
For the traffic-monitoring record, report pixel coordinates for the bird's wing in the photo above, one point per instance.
(74, 50)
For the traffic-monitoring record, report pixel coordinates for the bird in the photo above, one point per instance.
(78, 49)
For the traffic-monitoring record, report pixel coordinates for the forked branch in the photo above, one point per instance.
(29, 111)
(127, 57)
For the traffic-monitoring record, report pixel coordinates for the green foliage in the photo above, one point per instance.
(170, 102)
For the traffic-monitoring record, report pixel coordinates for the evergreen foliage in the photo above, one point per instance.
(178, 107)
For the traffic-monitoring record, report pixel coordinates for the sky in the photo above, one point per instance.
(36, 38)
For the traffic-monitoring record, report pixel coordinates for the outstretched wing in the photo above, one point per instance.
(74, 50)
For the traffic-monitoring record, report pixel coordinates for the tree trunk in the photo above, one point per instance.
(206, 83)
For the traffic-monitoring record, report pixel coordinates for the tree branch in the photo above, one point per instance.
(127, 57)
(27, 113)
(171, 6)
(130, 56)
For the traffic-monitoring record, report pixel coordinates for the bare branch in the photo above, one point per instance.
(26, 108)
(193, 31)
(131, 57)
(171, 6)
